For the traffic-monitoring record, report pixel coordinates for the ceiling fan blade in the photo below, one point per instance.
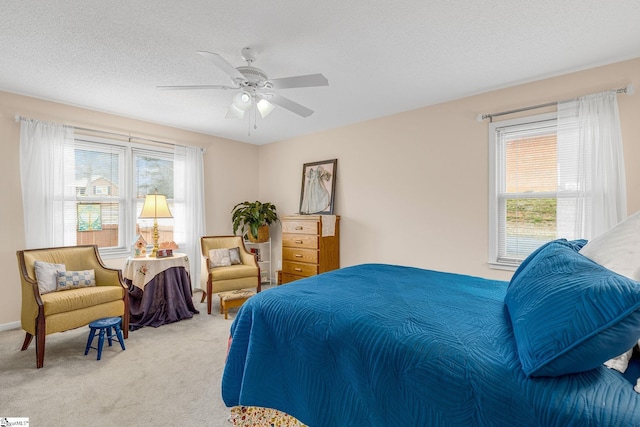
(189, 87)
(222, 63)
(309, 80)
(290, 105)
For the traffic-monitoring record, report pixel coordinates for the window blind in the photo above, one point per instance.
(537, 186)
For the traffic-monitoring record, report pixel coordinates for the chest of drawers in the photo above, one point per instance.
(306, 249)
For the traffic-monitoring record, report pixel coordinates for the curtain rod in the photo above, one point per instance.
(129, 137)
(628, 89)
(104, 132)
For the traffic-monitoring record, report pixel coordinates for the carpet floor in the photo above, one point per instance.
(168, 375)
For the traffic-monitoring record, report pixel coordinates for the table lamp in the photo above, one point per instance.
(155, 206)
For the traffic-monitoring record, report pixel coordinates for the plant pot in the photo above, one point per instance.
(263, 235)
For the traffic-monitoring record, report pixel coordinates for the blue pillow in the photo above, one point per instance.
(570, 314)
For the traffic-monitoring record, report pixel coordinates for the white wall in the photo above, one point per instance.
(412, 189)
(231, 172)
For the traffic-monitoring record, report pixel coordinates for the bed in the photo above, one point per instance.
(388, 345)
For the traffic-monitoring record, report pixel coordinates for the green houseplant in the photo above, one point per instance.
(254, 218)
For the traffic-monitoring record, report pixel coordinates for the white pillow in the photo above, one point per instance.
(618, 249)
(47, 275)
(234, 255)
(219, 257)
(620, 363)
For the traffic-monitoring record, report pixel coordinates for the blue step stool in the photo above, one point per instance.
(108, 325)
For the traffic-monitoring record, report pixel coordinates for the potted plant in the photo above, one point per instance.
(254, 219)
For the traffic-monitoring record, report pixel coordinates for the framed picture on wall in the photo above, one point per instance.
(89, 217)
(317, 194)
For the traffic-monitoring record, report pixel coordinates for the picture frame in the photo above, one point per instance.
(89, 216)
(318, 189)
(256, 251)
(164, 253)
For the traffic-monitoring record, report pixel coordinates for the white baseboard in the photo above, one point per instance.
(9, 326)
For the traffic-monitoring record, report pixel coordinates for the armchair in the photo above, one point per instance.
(233, 277)
(58, 311)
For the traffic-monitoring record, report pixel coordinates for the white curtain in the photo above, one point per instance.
(591, 188)
(47, 175)
(188, 171)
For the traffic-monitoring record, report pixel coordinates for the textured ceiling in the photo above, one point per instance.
(380, 57)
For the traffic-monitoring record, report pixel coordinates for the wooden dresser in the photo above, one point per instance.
(305, 250)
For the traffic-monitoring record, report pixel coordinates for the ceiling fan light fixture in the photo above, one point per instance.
(242, 101)
(234, 112)
(265, 107)
(254, 87)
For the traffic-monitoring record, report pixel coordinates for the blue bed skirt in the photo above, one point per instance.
(383, 345)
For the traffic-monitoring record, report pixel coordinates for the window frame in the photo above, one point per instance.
(126, 197)
(497, 178)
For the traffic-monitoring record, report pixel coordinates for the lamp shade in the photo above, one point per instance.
(265, 107)
(234, 112)
(155, 206)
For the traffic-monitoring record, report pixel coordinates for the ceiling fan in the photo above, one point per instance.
(255, 88)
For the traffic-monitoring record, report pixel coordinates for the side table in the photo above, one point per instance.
(159, 290)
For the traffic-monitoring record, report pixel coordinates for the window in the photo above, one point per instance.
(533, 190)
(81, 189)
(153, 172)
(111, 181)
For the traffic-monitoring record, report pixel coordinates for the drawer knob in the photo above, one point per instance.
(297, 269)
(299, 242)
(298, 255)
(299, 227)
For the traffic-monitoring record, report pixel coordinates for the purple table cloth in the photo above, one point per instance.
(167, 298)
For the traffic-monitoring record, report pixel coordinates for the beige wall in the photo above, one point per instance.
(412, 188)
(231, 171)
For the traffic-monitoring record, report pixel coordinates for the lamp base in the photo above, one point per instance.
(156, 236)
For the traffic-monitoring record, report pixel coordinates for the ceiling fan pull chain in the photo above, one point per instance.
(255, 116)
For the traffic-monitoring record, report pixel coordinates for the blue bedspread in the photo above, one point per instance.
(382, 345)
